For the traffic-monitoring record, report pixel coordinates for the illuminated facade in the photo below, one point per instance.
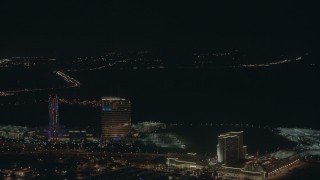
(230, 147)
(242, 149)
(115, 118)
(175, 162)
(53, 131)
(15, 132)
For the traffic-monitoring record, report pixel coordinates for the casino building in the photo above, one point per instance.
(115, 118)
(230, 148)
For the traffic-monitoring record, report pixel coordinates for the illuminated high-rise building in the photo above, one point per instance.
(115, 118)
(53, 131)
(240, 146)
(230, 147)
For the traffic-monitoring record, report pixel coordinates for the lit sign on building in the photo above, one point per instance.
(107, 108)
(117, 139)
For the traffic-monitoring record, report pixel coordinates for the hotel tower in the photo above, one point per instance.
(115, 118)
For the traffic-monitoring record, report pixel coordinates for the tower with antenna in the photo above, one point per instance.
(53, 131)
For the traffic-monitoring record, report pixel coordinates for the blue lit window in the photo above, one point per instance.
(106, 108)
(117, 138)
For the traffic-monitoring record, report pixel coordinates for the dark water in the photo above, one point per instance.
(279, 96)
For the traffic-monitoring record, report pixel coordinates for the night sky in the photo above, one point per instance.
(175, 30)
(70, 27)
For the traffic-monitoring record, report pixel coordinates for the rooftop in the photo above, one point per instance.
(112, 98)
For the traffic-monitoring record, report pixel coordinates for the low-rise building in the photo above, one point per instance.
(15, 132)
(262, 167)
